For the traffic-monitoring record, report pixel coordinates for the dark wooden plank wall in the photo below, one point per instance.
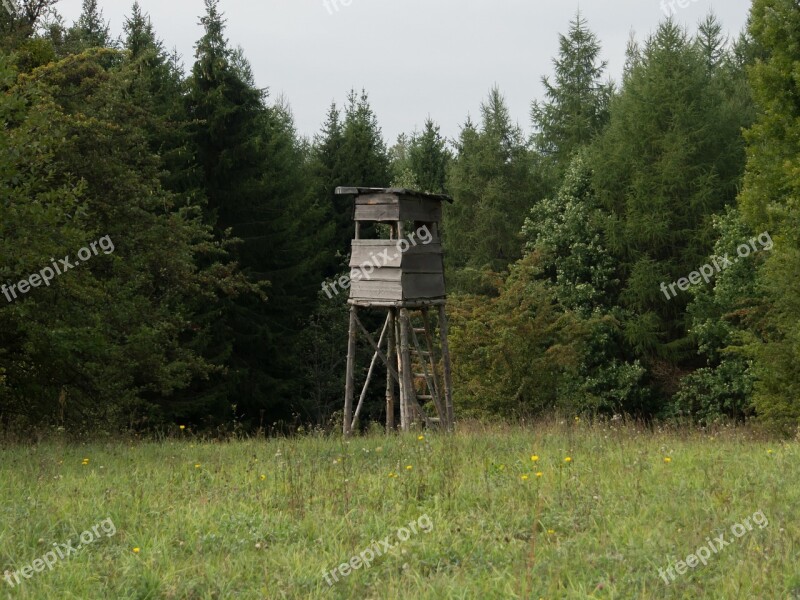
(386, 207)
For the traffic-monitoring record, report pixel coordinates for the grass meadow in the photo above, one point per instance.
(557, 510)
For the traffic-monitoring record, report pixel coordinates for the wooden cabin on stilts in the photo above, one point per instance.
(403, 276)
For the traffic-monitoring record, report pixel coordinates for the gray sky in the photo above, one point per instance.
(414, 57)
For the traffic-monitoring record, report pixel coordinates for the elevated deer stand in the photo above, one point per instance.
(404, 277)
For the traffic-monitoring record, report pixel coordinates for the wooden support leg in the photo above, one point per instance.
(375, 348)
(350, 381)
(390, 393)
(448, 375)
(400, 380)
(372, 364)
(407, 396)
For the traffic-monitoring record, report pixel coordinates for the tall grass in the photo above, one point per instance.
(267, 518)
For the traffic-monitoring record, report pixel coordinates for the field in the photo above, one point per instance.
(562, 509)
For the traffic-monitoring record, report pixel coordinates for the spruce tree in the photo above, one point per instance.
(254, 181)
(661, 171)
(494, 186)
(350, 151)
(769, 202)
(576, 102)
(429, 158)
(90, 30)
(116, 337)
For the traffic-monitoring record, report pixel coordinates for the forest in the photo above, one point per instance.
(166, 233)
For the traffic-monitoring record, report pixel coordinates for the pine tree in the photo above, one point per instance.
(140, 36)
(350, 151)
(116, 336)
(402, 174)
(769, 203)
(661, 172)
(494, 187)
(254, 180)
(90, 30)
(429, 158)
(157, 93)
(576, 105)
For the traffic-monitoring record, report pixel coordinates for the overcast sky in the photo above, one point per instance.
(414, 57)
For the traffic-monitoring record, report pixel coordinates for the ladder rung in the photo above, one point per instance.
(420, 352)
(419, 330)
(420, 375)
(419, 397)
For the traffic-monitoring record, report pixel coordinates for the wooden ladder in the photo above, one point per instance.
(424, 368)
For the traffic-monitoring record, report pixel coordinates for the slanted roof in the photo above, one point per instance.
(359, 191)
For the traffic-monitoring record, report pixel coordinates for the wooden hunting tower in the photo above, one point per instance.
(404, 276)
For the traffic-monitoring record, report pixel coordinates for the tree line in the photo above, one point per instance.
(225, 224)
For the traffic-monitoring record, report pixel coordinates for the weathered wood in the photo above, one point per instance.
(349, 381)
(377, 212)
(422, 285)
(372, 273)
(422, 210)
(385, 253)
(428, 331)
(411, 304)
(375, 348)
(448, 376)
(382, 243)
(405, 375)
(412, 286)
(399, 275)
(383, 290)
(423, 263)
(360, 191)
(425, 211)
(369, 375)
(431, 385)
(383, 274)
(390, 390)
(400, 379)
(373, 199)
